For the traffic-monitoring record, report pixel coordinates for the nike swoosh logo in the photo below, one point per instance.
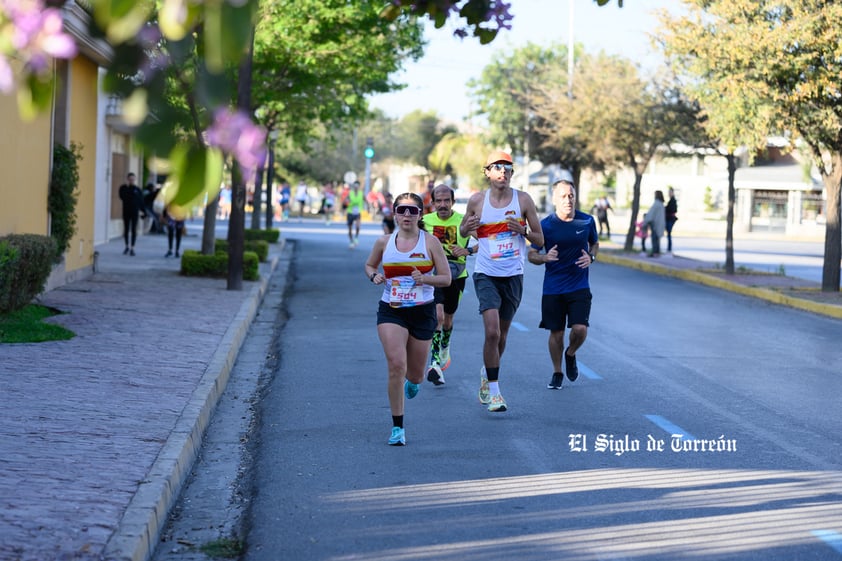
(579, 231)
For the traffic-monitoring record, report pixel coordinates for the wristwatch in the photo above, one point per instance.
(593, 257)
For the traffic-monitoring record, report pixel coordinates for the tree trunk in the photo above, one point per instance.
(270, 175)
(635, 209)
(833, 227)
(236, 225)
(258, 197)
(729, 221)
(209, 227)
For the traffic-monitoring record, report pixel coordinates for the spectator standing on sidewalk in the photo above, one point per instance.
(601, 208)
(444, 225)
(570, 247)
(132, 198)
(655, 220)
(671, 212)
(503, 218)
(413, 265)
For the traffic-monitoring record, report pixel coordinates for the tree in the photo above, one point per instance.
(783, 57)
(615, 118)
(508, 92)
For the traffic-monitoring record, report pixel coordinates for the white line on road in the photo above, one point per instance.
(670, 427)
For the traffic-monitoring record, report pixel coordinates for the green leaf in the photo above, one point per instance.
(196, 172)
(237, 30)
(121, 19)
(174, 23)
(34, 97)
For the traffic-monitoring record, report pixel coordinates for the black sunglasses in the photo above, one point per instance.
(411, 209)
(500, 167)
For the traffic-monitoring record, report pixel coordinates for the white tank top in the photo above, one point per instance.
(501, 251)
(400, 290)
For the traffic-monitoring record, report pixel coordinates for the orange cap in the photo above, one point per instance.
(498, 156)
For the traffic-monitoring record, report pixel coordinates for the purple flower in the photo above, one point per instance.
(234, 133)
(35, 35)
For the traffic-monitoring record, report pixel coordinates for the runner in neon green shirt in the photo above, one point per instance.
(444, 225)
(355, 202)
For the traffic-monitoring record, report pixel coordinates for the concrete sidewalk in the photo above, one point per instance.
(98, 433)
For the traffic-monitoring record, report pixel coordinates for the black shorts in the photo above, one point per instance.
(420, 321)
(449, 296)
(574, 308)
(499, 293)
(351, 218)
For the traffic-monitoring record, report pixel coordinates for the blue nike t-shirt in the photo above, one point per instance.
(569, 238)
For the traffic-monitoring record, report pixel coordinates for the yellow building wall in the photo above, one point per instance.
(82, 110)
(25, 154)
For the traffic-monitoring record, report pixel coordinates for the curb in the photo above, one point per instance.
(140, 527)
(772, 296)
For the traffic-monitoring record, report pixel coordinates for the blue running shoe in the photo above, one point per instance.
(398, 437)
(410, 390)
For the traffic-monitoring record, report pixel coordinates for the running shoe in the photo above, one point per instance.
(434, 375)
(484, 393)
(497, 404)
(398, 437)
(555, 383)
(444, 357)
(410, 390)
(570, 364)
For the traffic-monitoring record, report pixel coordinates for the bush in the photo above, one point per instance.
(26, 261)
(260, 247)
(196, 264)
(61, 202)
(270, 236)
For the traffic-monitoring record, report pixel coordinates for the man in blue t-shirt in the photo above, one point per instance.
(570, 247)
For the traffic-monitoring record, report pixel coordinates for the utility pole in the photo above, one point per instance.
(570, 57)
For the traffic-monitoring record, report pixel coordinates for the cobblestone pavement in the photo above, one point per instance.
(97, 432)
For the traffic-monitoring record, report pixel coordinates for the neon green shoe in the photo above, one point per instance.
(484, 393)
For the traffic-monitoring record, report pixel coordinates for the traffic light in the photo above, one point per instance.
(369, 148)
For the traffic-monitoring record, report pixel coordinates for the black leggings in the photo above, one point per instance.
(177, 230)
(130, 225)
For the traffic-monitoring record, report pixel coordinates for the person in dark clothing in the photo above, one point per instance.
(175, 229)
(132, 198)
(671, 215)
(150, 192)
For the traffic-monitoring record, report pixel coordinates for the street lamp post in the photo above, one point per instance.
(270, 174)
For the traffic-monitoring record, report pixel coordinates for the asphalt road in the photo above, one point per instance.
(586, 473)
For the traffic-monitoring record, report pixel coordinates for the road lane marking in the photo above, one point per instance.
(831, 538)
(587, 372)
(670, 427)
(519, 326)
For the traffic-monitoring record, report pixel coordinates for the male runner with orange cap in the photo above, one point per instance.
(504, 218)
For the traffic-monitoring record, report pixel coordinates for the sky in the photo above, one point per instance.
(438, 80)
